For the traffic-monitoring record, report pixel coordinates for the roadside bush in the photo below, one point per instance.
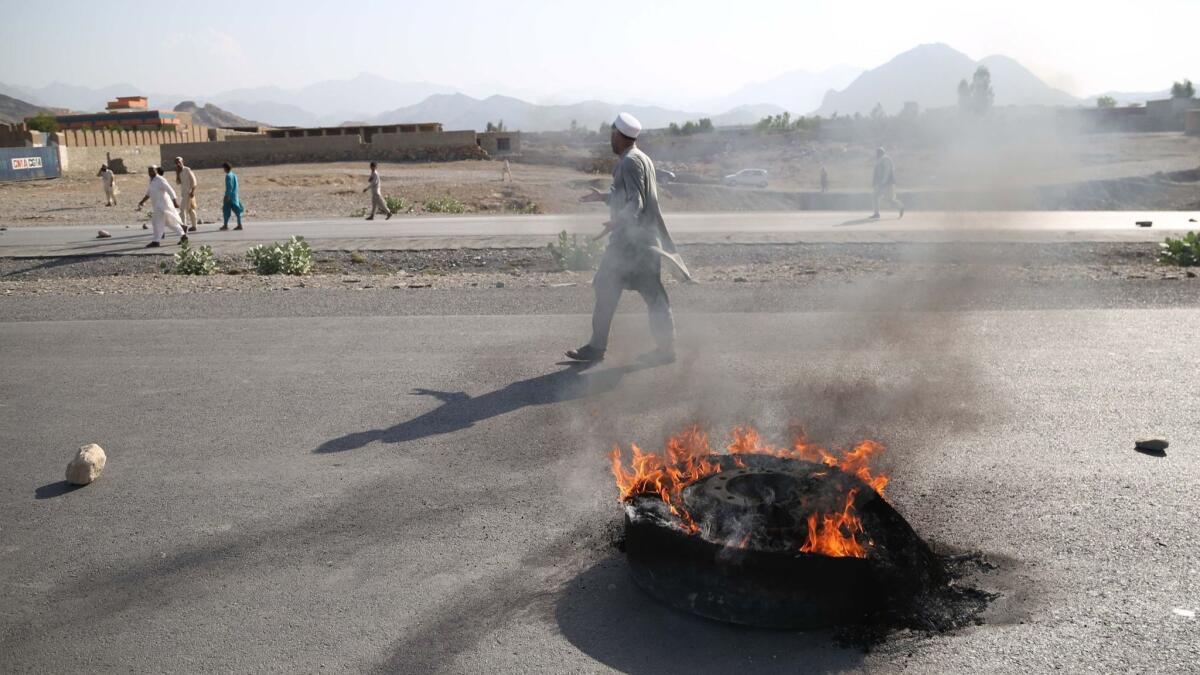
(569, 254)
(294, 257)
(1182, 252)
(196, 261)
(445, 205)
(396, 204)
(526, 208)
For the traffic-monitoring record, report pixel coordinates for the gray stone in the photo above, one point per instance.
(87, 465)
(103, 234)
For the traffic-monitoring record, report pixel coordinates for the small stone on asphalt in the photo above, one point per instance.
(87, 465)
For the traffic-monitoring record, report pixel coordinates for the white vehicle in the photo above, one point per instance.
(755, 177)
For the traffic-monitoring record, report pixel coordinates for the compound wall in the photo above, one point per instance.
(28, 163)
(262, 151)
(121, 158)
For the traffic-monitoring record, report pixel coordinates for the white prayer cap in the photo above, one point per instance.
(178, 159)
(628, 125)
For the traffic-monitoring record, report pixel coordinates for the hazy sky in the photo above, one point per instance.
(663, 51)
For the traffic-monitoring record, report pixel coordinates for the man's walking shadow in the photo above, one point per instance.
(460, 410)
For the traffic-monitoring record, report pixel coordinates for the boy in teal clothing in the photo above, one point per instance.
(233, 203)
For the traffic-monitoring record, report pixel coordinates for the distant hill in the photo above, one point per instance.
(212, 116)
(328, 102)
(929, 74)
(84, 99)
(1129, 97)
(798, 92)
(459, 111)
(746, 114)
(16, 110)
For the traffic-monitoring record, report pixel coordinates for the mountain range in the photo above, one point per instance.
(459, 111)
(15, 110)
(211, 116)
(927, 74)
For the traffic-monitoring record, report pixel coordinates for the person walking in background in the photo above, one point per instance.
(884, 182)
(163, 202)
(639, 243)
(186, 179)
(506, 173)
(376, 188)
(109, 181)
(824, 180)
(233, 201)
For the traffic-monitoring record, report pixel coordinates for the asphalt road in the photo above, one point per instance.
(303, 487)
(441, 232)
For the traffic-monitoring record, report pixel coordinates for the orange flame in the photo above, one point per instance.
(685, 460)
(835, 534)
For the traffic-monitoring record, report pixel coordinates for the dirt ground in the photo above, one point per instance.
(1085, 172)
(303, 191)
(776, 264)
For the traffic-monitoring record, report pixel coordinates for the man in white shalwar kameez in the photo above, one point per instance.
(109, 182)
(186, 178)
(638, 246)
(163, 202)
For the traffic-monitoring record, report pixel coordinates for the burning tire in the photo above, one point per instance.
(764, 537)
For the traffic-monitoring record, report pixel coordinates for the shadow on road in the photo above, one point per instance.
(606, 616)
(857, 221)
(460, 410)
(51, 490)
(48, 263)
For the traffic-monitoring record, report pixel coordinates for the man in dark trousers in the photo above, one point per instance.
(636, 249)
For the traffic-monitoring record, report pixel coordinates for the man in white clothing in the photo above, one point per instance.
(163, 202)
(376, 188)
(186, 179)
(109, 181)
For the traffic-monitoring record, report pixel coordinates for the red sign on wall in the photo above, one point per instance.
(19, 163)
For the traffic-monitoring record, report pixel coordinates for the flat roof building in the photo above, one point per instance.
(143, 120)
(128, 103)
(366, 131)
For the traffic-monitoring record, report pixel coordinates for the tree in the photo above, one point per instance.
(705, 125)
(44, 122)
(673, 128)
(1183, 89)
(877, 113)
(1106, 102)
(497, 127)
(977, 97)
(574, 127)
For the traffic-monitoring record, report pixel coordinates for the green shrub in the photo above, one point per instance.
(1183, 252)
(42, 121)
(396, 204)
(357, 258)
(445, 205)
(197, 261)
(294, 257)
(569, 254)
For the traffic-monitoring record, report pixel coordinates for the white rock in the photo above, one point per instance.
(87, 465)
(103, 234)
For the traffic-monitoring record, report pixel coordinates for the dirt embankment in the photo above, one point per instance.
(787, 264)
